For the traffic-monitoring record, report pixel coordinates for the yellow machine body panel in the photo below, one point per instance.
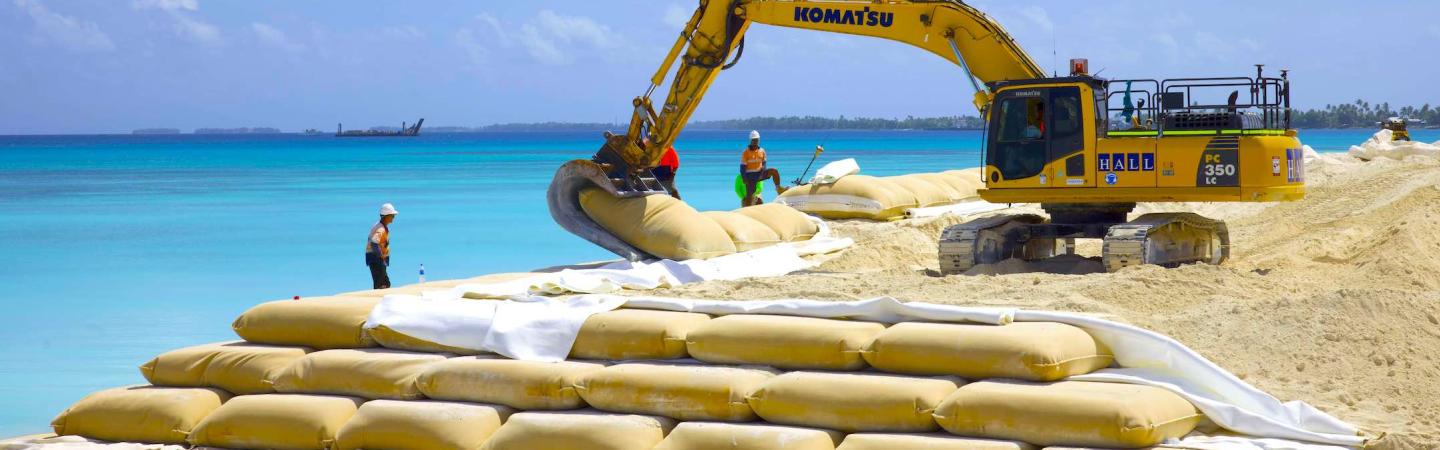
(1062, 154)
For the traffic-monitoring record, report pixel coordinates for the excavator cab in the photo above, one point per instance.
(1397, 127)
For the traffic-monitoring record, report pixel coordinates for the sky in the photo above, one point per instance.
(110, 66)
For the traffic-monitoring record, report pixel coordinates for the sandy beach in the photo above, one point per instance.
(1331, 300)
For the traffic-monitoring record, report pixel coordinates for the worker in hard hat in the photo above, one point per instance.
(666, 171)
(753, 170)
(377, 247)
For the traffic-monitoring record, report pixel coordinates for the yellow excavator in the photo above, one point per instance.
(1067, 143)
(1398, 127)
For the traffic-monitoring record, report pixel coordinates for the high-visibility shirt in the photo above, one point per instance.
(753, 159)
(379, 235)
(671, 159)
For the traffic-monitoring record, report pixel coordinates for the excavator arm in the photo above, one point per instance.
(950, 29)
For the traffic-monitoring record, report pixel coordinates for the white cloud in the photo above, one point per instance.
(403, 33)
(1039, 16)
(197, 30)
(478, 53)
(180, 12)
(66, 31)
(547, 36)
(274, 37)
(676, 16)
(167, 5)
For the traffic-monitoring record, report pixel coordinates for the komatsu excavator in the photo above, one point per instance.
(1055, 141)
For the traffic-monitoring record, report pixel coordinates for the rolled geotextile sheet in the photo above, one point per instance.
(276, 421)
(747, 233)
(145, 414)
(236, 367)
(678, 391)
(563, 199)
(852, 402)
(525, 385)
(420, 425)
(319, 322)
(626, 334)
(581, 430)
(391, 339)
(1039, 351)
(851, 197)
(933, 441)
(1071, 413)
(726, 436)
(782, 341)
(365, 373)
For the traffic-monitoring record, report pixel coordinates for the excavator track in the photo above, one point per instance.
(990, 240)
(1166, 239)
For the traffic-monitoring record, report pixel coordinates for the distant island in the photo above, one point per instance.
(242, 130)
(1360, 114)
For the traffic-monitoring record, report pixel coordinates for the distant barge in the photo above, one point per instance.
(404, 131)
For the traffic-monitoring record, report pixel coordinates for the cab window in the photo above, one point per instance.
(1018, 146)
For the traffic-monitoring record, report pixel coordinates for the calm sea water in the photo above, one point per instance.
(117, 248)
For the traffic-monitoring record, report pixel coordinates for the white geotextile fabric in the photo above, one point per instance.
(543, 329)
(773, 261)
(962, 208)
(1384, 145)
(834, 171)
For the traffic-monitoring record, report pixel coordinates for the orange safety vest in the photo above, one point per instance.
(753, 159)
(379, 234)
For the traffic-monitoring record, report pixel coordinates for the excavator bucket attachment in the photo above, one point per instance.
(563, 198)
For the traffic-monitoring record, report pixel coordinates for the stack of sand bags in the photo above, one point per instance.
(882, 198)
(309, 378)
(668, 228)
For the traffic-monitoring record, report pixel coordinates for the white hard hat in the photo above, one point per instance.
(388, 210)
(754, 134)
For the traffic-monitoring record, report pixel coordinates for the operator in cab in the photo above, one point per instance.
(1035, 128)
(377, 247)
(754, 170)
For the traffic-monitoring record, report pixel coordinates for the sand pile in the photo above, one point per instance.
(1334, 300)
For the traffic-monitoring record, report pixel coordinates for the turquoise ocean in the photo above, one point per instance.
(117, 248)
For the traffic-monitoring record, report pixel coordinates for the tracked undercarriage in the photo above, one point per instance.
(1165, 239)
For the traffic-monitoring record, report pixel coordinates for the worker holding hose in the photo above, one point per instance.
(753, 171)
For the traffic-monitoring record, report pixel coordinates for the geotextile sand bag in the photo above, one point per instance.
(144, 414)
(320, 322)
(790, 224)
(658, 224)
(935, 441)
(236, 367)
(851, 197)
(747, 234)
(365, 373)
(420, 425)
(852, 402)
(782, 341)
(525, 385)
(729, 436)
(927, 193)
(581, 430)
(1072, 413)
(276, 421)
(391, 339)
(678, 391)
(1039, 351)
(635, 334)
